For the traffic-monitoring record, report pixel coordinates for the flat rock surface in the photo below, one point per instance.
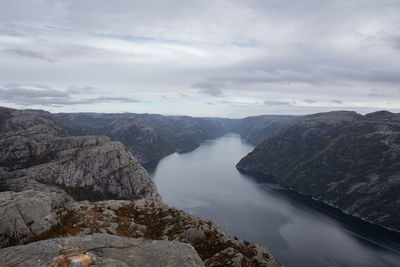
(101, 250)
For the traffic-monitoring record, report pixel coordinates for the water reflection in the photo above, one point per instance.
(298, 231)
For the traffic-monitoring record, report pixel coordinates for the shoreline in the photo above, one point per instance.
(369, 232)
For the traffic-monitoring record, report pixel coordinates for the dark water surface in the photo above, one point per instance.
(298, 232)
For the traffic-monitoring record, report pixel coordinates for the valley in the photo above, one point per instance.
(298, 232)
(301, 190)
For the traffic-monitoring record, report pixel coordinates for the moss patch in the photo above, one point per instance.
(153, 221)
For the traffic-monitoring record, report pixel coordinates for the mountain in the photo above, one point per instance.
(149, 137)
(256, 129)
(93, 167)
(342, 158)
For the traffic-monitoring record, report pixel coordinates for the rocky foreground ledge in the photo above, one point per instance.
(33, 216)
(101, 250)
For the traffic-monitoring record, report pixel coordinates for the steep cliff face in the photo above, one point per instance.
(342, 158)
(89, 167)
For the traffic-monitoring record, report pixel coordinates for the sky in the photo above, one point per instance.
(222, 58)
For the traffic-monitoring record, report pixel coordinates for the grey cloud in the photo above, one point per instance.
(187, 96)
(42, 86)
(13, 93)
(310, 101)
(211, 89)
(29, 54)
(10, 85)
(387, 75)
(10, 32)
(321, 76)
(377, 93)
(279, 76)
(277, 50)
(384, 93)
(52, 97)
(84, 90)
(115, 99)
(278, 103)
(168, 99)
(212, 92)
(22, 86)
(395, 42)
(154, 19)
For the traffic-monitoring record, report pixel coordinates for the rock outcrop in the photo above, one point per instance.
(344, 159)
(27, 214)
(30, 216)
(101, 250)
(87, 167)
(104, 171)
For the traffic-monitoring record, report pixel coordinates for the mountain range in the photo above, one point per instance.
(150, 137)
(85, 200)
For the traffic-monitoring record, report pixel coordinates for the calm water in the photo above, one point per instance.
(206, 183)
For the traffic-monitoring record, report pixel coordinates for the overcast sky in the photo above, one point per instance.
(201, 58)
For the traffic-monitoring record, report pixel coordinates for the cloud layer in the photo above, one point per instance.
(205, 58)
(37, 95)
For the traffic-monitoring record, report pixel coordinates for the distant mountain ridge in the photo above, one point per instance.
(150, 137)
(256, 129)
(342, 158)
